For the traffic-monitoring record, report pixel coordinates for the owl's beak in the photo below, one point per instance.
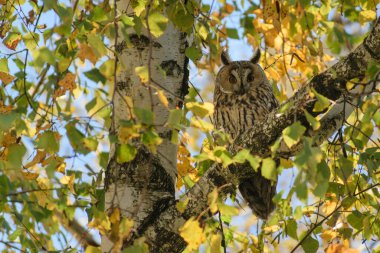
(241, 91)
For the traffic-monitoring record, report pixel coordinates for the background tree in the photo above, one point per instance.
(95, 105)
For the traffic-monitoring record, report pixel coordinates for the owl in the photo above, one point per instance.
(242, 97)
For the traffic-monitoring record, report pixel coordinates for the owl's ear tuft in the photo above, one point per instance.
(256, 56)
(225, 58)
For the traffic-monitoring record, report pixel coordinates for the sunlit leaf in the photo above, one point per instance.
(293, 133)
(192, 233)
(268, 169)
(157, 23)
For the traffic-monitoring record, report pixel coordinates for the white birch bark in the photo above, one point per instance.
(142, 188)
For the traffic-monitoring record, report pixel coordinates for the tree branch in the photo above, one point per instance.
(163, 234)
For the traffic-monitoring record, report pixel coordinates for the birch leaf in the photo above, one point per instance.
(192, 233)
(143, 73)
(292, 134)
(157, 23)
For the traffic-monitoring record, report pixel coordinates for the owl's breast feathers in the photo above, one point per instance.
(236, 113)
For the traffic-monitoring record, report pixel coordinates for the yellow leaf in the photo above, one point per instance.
(162, 98)
(181, 205)
(68, 82)
(215, 243)
(61, 168)
(6, 78)
(229, 8)
(200, 109)
(29, 175)
(92, 249)
(126, 226)
(286, 163)
(271, 229)
(273, 74)
(330, 204)
(69, 181)
(102, 224)
(43, 182)
(192, 233)
(115, 215)
(339, 248)
(212, 200)
(368, 15)
(143, 73)
(40, 156)
(86, 52)
(201, 124)
(329, 235)
(12, 40)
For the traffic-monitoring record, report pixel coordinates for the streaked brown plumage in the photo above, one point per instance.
(243, 96)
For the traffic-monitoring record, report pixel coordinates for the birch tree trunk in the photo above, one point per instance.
(145, 186)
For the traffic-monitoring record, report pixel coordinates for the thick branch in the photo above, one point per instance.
(331, 84)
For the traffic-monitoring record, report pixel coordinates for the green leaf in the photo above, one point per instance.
(355, 219)
(301, 191)
(174, 120)
(157, 23)
(228, 210)
(322, 102)
(4, 65)
(181, 16)
(7, 120)
(310, 245)
(232, 33)
(345, 168)
(291, 228)
(314, 123)
(125, 153)
(268, 169)
(76, 139)
(139, 6)
(31, 39)
(244, 155)
(91, 104)
(47, 141)
(223, 156)
(145, 116)
(98, 14)
(95, 75)
(193, 53)
(151, 139)
(293, 133)
(12, 237)
(127, 20)
(97, 45)
(15, 155)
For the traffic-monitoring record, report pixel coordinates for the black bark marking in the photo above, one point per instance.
(142, 42)
(184, 89)
(171, 68)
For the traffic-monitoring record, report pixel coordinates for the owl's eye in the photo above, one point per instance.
(250, 77)
(232, 79)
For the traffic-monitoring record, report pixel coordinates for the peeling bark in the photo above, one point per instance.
(331, 84)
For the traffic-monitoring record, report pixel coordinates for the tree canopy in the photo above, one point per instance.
(70, 114)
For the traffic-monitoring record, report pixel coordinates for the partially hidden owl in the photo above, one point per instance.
(242, 97)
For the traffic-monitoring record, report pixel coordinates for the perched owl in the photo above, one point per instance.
(242, 97)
